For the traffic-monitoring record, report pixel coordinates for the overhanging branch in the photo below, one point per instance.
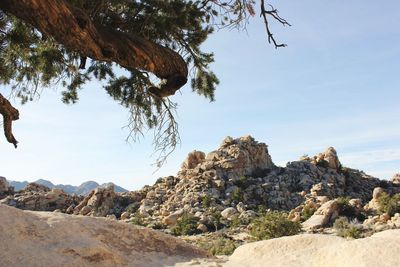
(10, 114)
(74, 29)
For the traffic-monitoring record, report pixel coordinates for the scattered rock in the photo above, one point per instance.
(325, 214)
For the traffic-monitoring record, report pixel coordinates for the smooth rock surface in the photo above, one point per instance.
(53, 239)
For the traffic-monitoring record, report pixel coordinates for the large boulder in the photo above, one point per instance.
(238, 157)
(396, 179)
(381, 249)
(100, 202)
(328, 158)
(193, 159)
(324, 215)
(56, 239)
(4, 187)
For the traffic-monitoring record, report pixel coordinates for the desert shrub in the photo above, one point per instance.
(237, 221)
(206, 201)
(307, 212)
(132, 208)
(138, 219)
(241, 182)
(345, 209)
(220, 246)
(237, 194)
(157, 226)
(185, 225)
(346, 229)
(389, 204)
(272, 225)
(215, 220)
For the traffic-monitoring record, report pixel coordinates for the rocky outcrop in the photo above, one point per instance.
(328, 159)
(396, 179)
(327, 213)
(241, 171)
(100, 202)
(5, 188)
(40, 198)
(56, 239)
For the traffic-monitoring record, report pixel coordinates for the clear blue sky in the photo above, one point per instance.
(336, 84)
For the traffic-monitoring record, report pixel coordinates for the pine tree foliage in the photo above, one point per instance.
(31, 60)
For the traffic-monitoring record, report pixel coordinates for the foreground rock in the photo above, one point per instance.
(54, 239)
(381, 249)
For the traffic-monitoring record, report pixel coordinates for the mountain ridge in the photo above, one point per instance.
(83, 189)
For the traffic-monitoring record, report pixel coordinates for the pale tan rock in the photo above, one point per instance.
(173, 218)
(320, 250)
(374, 205)
(396, 178)
(330, 157)
(202, 228)
(125, 215)
(56, 239)
(229, 213)
(328, 212)
(193, 159)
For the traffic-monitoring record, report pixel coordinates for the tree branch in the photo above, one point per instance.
(10, 114)
(273, 13)
(74, 29)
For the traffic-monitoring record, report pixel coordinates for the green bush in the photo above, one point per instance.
(220, 246)
(237, 194)
(185, 225)
(307, 212)
(138, 219)
(272, 225)
(389, 204)
(216, 220)
(157, 226)
(206, 201)
(346, 229)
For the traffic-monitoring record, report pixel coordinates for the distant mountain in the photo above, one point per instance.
(86, 188)
(83, 189)
(18, 185)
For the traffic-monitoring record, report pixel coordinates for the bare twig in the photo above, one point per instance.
(273, 13)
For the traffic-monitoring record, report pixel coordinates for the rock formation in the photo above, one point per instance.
(56, 239)
(40, 198)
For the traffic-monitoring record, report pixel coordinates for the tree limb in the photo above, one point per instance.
(10, 114)
(74, 29)
(273, 13)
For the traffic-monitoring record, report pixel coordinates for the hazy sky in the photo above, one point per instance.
(336, 84)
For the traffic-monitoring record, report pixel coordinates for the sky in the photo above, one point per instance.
(336, 84)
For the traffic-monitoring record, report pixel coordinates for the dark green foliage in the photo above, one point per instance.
(345, 209)
(389, 204)
(216, 220)
(206, 201)
(220, 246)
(186, 225)
(272, 225)
(307, 212)
(323, 163)
(346, 229)
(138, 219)
(157, 226)
(237, 194)
(241, 182)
